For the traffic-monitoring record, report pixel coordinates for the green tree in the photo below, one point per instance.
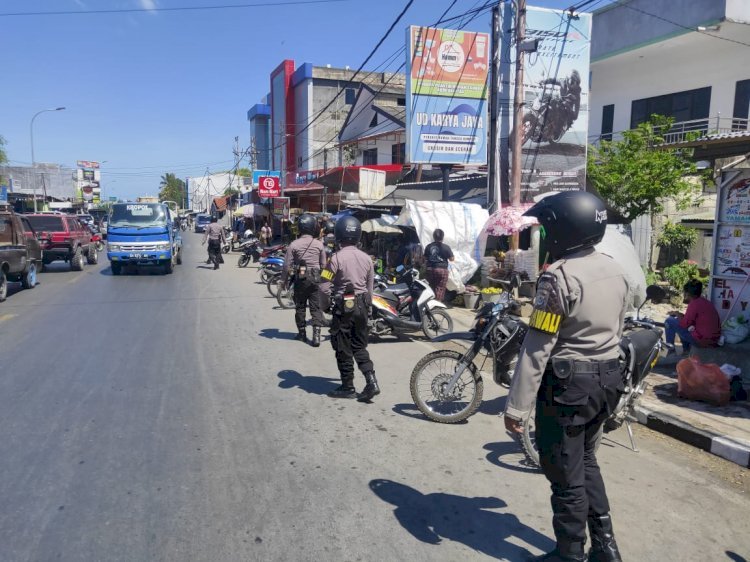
(244, 172)
(3, 158)
(231, 191)
(172, 188)
(637, 175)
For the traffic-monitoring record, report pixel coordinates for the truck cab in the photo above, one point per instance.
(142, 234)
(20, 251)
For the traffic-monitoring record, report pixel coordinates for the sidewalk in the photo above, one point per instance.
(723, 431)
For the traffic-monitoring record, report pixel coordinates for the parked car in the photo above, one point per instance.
(64, 238)
(201, 222)
(20, 251)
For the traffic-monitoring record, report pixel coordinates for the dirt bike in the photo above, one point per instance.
(640, 349)
(446, 385)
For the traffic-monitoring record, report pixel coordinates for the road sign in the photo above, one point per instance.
(268, 186)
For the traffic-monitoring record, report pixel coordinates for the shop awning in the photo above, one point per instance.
(346, 178)
(309, 186)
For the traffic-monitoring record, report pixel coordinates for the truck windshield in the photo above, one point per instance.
(138, 215)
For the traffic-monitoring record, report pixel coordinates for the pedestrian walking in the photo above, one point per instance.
(305, 259)
(216, 239)
(438, 257)
(265, 234)
(351, 275)
(569, 365)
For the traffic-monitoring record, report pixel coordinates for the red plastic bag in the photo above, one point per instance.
(702, 381)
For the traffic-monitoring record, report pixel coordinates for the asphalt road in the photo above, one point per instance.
(151, 417)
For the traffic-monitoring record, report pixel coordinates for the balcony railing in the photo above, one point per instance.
(687, 130)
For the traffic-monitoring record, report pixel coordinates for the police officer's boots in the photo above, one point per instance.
(345, 390)
(301, 335)
(569, 552)
(316, 336)
(603, 545)
(371, 388)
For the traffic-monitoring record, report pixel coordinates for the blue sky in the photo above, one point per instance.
(155, 92)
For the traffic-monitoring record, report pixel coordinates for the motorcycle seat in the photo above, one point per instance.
(399, 289)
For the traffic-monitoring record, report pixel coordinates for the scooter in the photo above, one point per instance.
(408, 307)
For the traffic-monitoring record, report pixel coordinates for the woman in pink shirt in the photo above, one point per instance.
(699, 326)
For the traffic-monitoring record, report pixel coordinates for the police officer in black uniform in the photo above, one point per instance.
(305, 259)
(352, 275)
(569, 365)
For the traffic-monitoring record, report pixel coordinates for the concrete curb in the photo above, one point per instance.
(719, 445)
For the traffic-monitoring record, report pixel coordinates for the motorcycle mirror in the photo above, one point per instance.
(400, 269)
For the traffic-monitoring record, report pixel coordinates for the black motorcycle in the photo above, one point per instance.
(250, 249)
(446, 385)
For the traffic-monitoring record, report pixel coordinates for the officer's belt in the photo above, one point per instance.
(595, 367)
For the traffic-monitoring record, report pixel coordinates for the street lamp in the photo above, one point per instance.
(31, 134)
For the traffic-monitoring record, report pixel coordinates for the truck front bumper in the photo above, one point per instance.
(140, 258)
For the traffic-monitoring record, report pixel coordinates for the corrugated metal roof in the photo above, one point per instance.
(705, 216)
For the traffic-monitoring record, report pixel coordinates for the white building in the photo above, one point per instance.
(685, 59)
(202, 190)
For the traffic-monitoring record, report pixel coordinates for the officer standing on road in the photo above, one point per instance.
(305, 259)
(215, 236)
(351, 274)
(569, 365)
(329, 242)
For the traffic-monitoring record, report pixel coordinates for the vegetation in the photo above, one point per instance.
(3, 158)
(172, 188)
(679, 274)
(676, 241)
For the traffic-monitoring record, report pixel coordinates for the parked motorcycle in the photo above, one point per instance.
(227, 246)
(250, 251)
(408, 307)
(270, 267)
(640, 349)
(446, 385)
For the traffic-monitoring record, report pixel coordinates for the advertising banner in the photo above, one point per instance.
(88, 181)
(556, 100)
(446, 103)
(281, 207)
(268, 186)
(730, 291)
(257, 174)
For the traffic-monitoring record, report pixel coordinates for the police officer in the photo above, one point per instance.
(329, 242)
(351, 274)
(215, 237)
(569, 365)
(305, 258)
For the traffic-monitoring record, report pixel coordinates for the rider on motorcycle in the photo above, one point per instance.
(567, 105)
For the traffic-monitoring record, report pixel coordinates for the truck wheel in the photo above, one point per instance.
(76, 261)
(116, 268)
(3, 286)
(169, 267)
(29, 278)
(92, 256)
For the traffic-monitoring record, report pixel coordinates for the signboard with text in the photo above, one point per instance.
(730, 291)
(281, 207)
(446, 104)
(257, 174)
(269, 186)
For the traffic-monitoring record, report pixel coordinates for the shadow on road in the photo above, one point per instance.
(204, 267)
(276, 334)
(434, 517)
(510, 455)
(494, 407)
(734, 556)
(411, 411)
(312, 385)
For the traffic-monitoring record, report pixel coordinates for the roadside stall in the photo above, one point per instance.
(382, 239)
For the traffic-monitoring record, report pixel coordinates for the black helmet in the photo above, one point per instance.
(572, 221)
(307, 225)
(329, 226)
(348, 229)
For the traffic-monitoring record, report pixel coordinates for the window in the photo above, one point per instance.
(47, 223)
(398, 153)
(6, 232)
(370, 157)
(401, 102)
(374, 120)
(681, 106)
(608, 118)
(350, 95)
(741, 104)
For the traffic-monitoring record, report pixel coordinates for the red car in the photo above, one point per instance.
(64, 238)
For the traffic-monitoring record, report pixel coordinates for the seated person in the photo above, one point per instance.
(699, 326)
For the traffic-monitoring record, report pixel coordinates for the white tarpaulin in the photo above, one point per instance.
(617, 245)
(462, 224)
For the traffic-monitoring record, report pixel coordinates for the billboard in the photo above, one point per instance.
(556, 100)
(281, 207)
(257, 174)
(446, 96)
(88, 181)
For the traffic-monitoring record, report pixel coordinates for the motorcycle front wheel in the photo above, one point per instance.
(436, 323)
(428, 385)
(243, 261)
(528, 438)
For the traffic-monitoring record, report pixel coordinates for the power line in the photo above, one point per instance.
(172, 9)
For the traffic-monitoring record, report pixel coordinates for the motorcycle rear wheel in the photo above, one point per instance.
(285, 297)
(273, 285)
(243, 261)
(528, 438)
(427, 383)
(440, 323)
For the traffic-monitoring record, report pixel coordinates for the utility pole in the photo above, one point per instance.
(518, 103)
(493, 177)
